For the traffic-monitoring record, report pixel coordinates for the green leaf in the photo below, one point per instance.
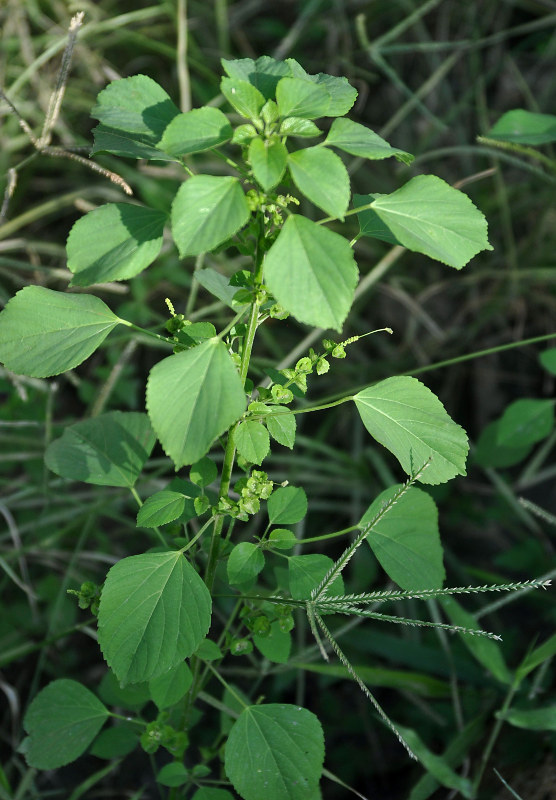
(195, 131)
(173, 774)
(115, 742)
(136, 105)
(211, 793)
(128, 145)
(537, 657)
(217, 284)
(312, 273)
(252, 441)
(370, 223)
(548, 360)
(108, 450)
(276, 646)
(525, 422)
(297, 126)
(138, 108)
(306, 572)
(455, 753)
(203, 472)
(208, 651)
(275, 751)
(192, 398)
(490, 453)
(114, 242)
(207, 211)
(406, 540)
(243, 96)
(169, 688)
(524, 127)
(62, 721)
(281, 426)
(268, 159)
(486, 651)
(436, 765)
(154, 612)
(44, 333)
(322, 177)
(534, 719)
(245, 562)
(342, 94)
(190, 493)
(414, 682)
(161, 508)
(287, 505)
(264, 73)
(356, 139)
(282, 539)
(404, 416)
(132, 697)
(297, 97)
(431, 217)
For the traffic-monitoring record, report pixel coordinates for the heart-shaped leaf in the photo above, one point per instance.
(154, 612)
(44, 333)
(193, 397)
(410, 421)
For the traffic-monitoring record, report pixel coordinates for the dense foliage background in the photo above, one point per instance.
(431, 76)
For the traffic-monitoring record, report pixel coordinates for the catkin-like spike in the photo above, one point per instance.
(309, 607)
(348, 553)
(58, 95)
(538, 511)
(414, 623)
(426, 594)
(368, 694)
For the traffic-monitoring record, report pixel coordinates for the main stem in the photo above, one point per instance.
(230, 451)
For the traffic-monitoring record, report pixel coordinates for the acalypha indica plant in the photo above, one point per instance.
(282, 142)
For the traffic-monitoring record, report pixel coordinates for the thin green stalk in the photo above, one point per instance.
(222, 26)
(115, 373)
(532, 467)
(307, 410)
(325, 536)
(152, 334)
(480, 353)
(181, 57)
(406, 23)
(372, 50)
(197, 536)
(492, 738)
(513, 147)
(230, 325)
(226, 685)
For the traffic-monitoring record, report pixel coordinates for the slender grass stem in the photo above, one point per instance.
(181, 57)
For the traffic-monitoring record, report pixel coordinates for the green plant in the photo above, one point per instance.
(155, 609)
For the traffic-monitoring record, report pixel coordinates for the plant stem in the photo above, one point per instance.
(181, 57)
(480, 353)
(518, 148)
(145, 331)
(325, 536)
(493, 737)
(321, 407)
(230, 451)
